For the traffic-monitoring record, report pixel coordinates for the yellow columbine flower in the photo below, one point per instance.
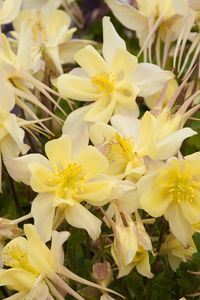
(176, 252)
(38, 276)
(173, 191)
(129, 140)
(112, 81)
(131, 243)
(45, 33)
(149, 17)
(70, 176)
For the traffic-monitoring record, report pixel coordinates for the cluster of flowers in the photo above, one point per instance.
(110, 158)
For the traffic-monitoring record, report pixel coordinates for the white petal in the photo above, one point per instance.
(127, 126)
(78, 216)
(18, 167)
(179, 226)
(58, 239)
(172, 143)
(150, 79)
(111, 40)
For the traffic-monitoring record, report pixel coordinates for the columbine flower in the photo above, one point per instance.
(173, 191)
(112, 81)
(45, 5)
(18, 83)
(176, 252)
(38, 276)
(70, 176)
(165, 18)
(43, 33)
(129, 140)
(9, 10)
(131, 243)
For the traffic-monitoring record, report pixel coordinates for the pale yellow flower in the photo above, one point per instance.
(131, 243)
(38, 276)
(149, 17)
(43, 33)
(18, 84)
(9, 10)
(112, 81)
(173, 191)
(129, 140)
(70, 176)
(45, 5)
(176, 252)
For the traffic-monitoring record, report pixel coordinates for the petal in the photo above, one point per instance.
(143, 266)
(101, 133)
(150, 79)
(17, 133)
(97, 193)
(170, 145)
(17, 279)
(43, 263)
(91, 61)
(17, 296)
(150, 199)
(7, 100)
(67, 88)
(9, 11)
(59, 152)
(77, 128)
(92, 162)
(41, 178)
(124, 64)
(68, 49)
(111, 40)
(58, 239)
(18, 167)
(127, 15)
(191, 210)
(78, 216)
(42, 209)
(179, 226)
(101, 110)
(127, 126)
(55, 21)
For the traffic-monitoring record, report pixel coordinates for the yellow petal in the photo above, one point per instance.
(97, 193)
(17, 279)
(67, 87)
(42, 209)
(111, 40)
(9, 10)
(92, 162)
(41, 178)
(91, 61)
(101, 110)
(59, 152)
(143, 266)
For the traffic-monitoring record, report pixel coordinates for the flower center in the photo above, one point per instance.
(120, 148)
(15, 257)
(38, 29)
(103, 82)
(139, 255)
(69, 181)
(179, 182)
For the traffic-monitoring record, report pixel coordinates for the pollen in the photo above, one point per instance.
(104, 83)
(179, 182)
(70, 181)
(121, 148)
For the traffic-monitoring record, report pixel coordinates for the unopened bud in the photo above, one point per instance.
(102, 273)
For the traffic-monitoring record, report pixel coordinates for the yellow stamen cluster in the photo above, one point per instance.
(15, 257)
(121, 148)
(69, 181)
(39, 31)
(104, 83)
(179, 183)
